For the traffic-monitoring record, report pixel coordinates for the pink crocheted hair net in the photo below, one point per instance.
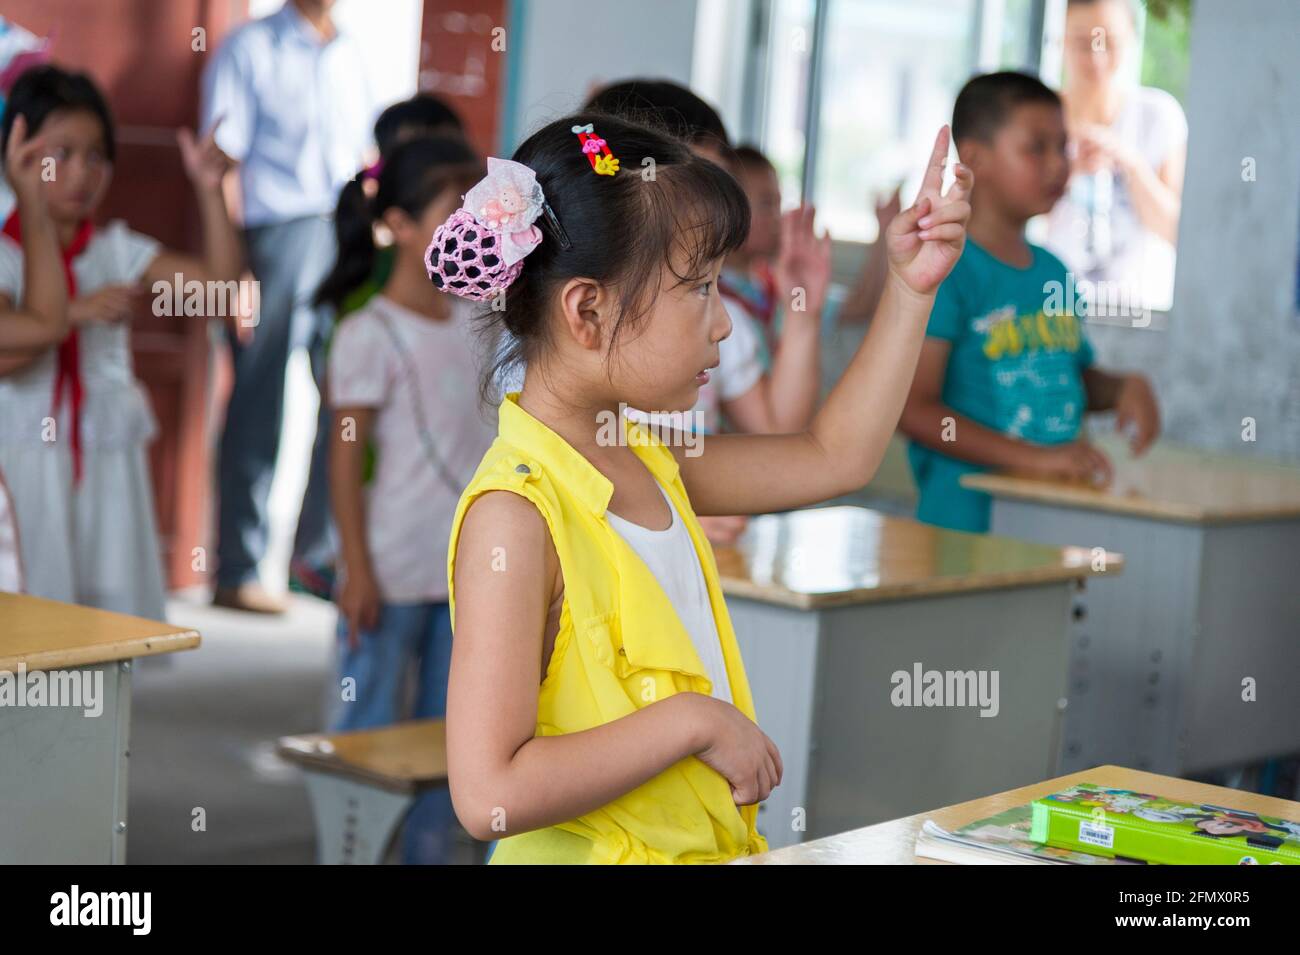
(465, 259)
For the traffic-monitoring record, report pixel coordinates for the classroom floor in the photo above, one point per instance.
(204, 726)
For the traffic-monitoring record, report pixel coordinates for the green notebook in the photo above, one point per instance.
(1125, 824)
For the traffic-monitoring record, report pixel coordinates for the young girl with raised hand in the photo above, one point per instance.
(598, 708)
(43, 319)
(74, 421)
(402, 383)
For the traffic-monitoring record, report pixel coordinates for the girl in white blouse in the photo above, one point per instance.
(74, 421)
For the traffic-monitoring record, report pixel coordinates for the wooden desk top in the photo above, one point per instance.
(894, 843)
(836, 556)
(401, 758)
(47, 635)
(1168, 483)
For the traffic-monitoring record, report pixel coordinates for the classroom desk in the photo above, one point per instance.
(1209, 599)
(894, 843)
(63, 773)
(829, 603)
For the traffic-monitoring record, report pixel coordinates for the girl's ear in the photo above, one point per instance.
(586, 310)
(398, 224)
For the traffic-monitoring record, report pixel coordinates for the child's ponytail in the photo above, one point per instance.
(410, 178)
(354, 232)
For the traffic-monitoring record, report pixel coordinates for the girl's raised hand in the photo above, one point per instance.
(925, 241)
(804, 262)
(24, 163)
(887, 210)
(205, 163)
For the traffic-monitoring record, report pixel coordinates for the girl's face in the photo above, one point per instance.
(411, 236)
(81, 170)
(1098, 36)
(661, 363)
(764, 194)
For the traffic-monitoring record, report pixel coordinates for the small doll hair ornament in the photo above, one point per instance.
(479, 250)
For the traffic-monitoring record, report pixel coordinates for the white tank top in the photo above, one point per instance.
(671, 557)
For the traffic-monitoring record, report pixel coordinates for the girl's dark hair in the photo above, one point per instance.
(410, 178)
(44, 90)
(751, 159)
(661, 102)
(420, 116)
(665, 206)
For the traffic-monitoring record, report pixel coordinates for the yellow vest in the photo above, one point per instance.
(620, 647)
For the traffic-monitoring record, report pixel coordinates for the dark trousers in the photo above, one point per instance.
(289, 260)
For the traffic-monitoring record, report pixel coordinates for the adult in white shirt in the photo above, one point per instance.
(1118, 221)
(295, 114)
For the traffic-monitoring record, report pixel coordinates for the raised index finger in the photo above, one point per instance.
(932, 184)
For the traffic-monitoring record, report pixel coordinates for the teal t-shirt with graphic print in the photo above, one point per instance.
(1016, 365)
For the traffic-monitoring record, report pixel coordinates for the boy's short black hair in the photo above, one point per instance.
(46, 89)
(986, 101)
(421, 115)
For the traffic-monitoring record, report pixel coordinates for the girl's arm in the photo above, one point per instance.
(506, 780)
(359, 599)
(839, 453)
(784, 399)
(42, 320)
(223, 254)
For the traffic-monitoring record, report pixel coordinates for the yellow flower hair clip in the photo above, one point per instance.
(597, 151)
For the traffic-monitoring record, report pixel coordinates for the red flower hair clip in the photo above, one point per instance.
(597, 151)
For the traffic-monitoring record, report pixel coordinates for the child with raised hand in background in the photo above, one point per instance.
(764, 281)
(764, 383)
(402, 378)
(1007, 374)
(863, 295)
(74, 421)
(42, 320)
(753, 398)
(598, 708)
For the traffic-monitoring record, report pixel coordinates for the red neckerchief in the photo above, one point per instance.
(757, 291)
(68, 375)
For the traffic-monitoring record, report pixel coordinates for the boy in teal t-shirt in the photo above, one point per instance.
(1006, 372)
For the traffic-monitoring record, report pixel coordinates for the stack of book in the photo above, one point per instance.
(1094, 825)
